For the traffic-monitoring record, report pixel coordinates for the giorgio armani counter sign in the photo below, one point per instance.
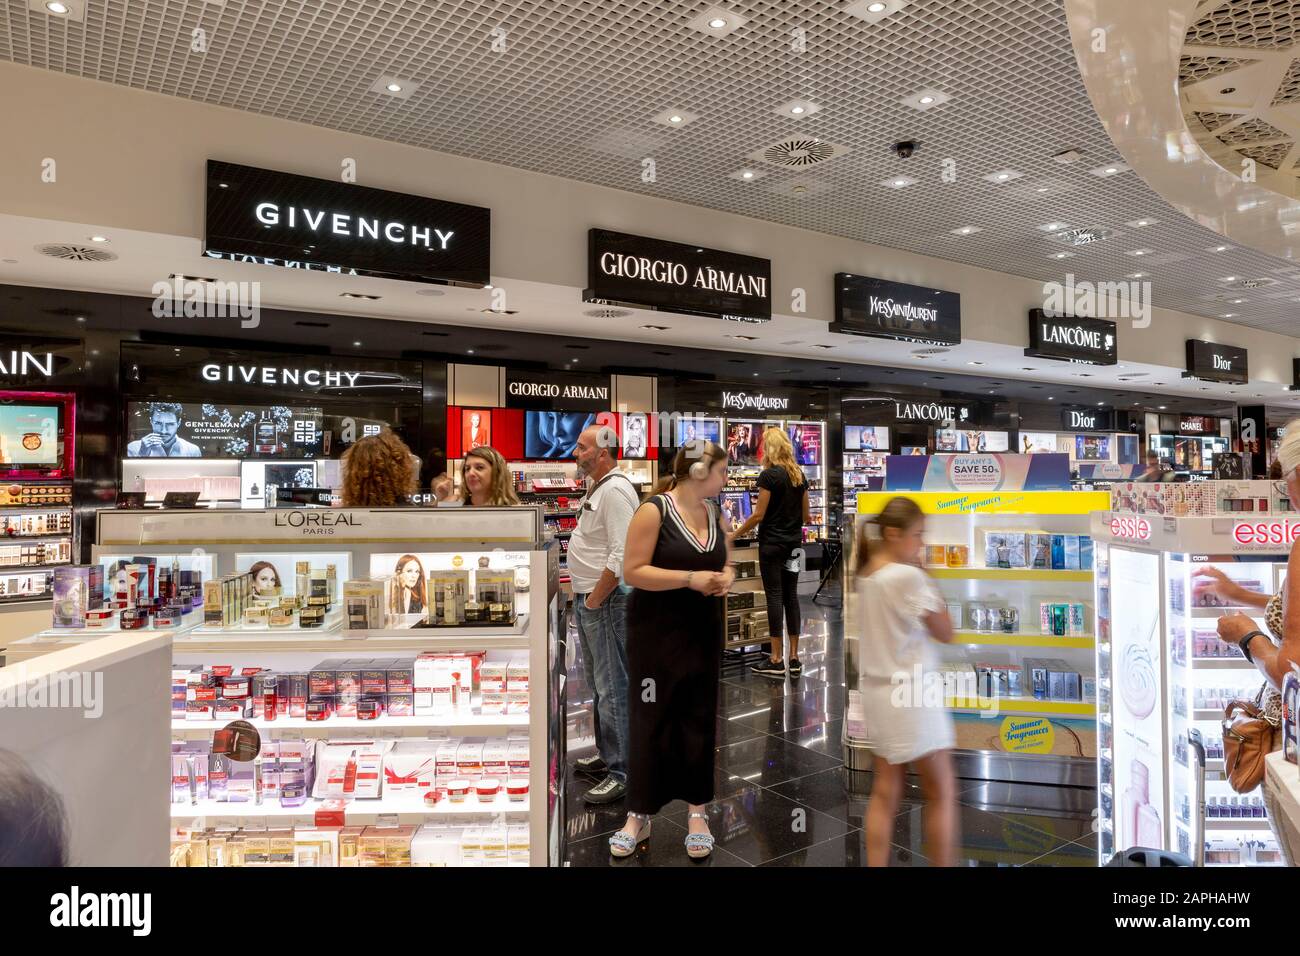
(895, 310)
(1212, 362)
(677, 277)
(260, 215)
(556, 390)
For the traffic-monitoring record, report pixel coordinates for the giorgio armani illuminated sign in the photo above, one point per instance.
(279, 218)
(677, 277)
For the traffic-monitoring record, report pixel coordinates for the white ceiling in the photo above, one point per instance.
(576, 90)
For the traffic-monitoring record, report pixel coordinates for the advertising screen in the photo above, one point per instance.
(29, 434)
(1092, 447)
(866, 438)
(202, 430)
(736, 509)
(807, 441)
(744, 443)
(703, 429)
(554, 434)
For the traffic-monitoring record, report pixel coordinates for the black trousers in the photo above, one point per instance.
(781, 588)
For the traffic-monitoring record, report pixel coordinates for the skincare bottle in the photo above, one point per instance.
(350, 775)
(302, 582)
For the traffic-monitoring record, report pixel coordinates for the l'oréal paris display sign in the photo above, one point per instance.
(677, 277)
(754, 402)
(1063, 339)
(895, 310)
(261, 215)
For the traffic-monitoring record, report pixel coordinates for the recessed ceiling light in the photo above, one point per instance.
(676, 118)
(1237, 301)
(99, 238)
(1054, 226)
(1110, 169)
(927, 99)
(899, 182)
(394, 87)
(1229, 315)
(747, 175)
(744, 338)
(657, 328)
(717, 21)
(1141, 223)
(797, 109)
(1003, 176)
(877, 7)
(1229, 279)
(967, 231)
(1139, 252)
(1220, 248)
(873, 11)
(1163, 407)
(81, 318)
(55, 7)
(974, 363)
(356, 345)
(469, 351)
(1137, 275)
(1062, 255)
(398, 87)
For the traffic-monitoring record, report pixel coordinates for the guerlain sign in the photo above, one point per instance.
(894, 310)
(1083, 341)
(282, 218)
(677, 277)
(745, 401)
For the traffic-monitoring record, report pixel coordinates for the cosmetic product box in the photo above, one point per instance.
(496, 759)
(957, 555)
(374, 678)
(363, 602)
(1063, 683)
(995, 550)
(936, 555)
(494, 677)
(1071, 552)
(349, 845)
(1035, 677)
(322, 679)
(471, 846)
(370, 847)
(1075, 623)
(447, 593)
(517, 675)
(445, 768)
(517, 758)
(331, 764)
(469, 759)
(347, 688)
(397, 844)
(316, 847)
(1085, 552)
(77, 590)
(436, 846)
(1058, 552)
(410, 766)
(1017, 543)
(517, 845)
(1038, 551)
(1090, 690)
(401, 676)
(495, 844)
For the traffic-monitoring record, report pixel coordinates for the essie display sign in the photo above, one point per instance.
(1130, 528)
(1266, 533)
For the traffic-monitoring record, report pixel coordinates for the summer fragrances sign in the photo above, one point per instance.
(259, 215)
(895, 310)
(677, 277)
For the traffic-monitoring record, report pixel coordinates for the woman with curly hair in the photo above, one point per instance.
(486, 478)
(378, 472)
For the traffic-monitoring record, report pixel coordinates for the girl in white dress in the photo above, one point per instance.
(900, 684)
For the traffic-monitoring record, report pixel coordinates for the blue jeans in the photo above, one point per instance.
(603, 633)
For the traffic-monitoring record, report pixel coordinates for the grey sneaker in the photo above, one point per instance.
(607, 791)
(591, 765)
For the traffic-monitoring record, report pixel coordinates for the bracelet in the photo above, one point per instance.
(1244, 644)
(689, 575)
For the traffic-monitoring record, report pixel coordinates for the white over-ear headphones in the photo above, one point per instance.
(699, 469)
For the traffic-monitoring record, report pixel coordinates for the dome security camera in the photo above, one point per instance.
(905, 148)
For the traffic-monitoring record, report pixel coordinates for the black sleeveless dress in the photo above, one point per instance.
(675, 640)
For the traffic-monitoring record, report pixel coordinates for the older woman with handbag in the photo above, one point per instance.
(1252, 730)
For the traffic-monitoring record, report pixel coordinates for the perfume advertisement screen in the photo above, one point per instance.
(736, 509)
(554, 434)
(1092, 447)
(744, 443)
(703, 429)
(866, 438)
(29, 434)
(202, 430)
(807, 442)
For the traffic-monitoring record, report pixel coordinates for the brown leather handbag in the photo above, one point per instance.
(1247, 740)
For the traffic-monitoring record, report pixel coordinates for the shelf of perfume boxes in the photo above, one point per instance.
(1008, 574)
(1026, 706)
(1024, 639)
(1253, 825)
(453, 725)
(404, 808)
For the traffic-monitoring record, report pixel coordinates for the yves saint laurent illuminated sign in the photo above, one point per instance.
(760, 402)
(1212, 362)
(280, 218)
(1081, 340)
(930, 412)
(677, 277)
(275, 375)
(895, 310)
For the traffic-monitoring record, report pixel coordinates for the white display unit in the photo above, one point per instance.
(1162, 671)
(372, 539)
(1006, 729)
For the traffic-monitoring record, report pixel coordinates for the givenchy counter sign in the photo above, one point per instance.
(746, 402)
(1211, 362)
(677, 277)
(555, 391)
(894, 310)
(1084, 341)
(260, 215)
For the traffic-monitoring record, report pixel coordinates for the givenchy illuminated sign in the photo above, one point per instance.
(895, 310)
(677, 277)
(273, 375)
(261, 215)
(1080, 340)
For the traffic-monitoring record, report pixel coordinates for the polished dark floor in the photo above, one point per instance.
(784, 799)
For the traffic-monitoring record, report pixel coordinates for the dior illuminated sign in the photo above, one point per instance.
(597, 393)
(742, 401)
(23, 363)
(271, 375)
(676, 273)
(341, 224)
(929, 412)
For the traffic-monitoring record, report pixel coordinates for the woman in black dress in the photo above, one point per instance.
(676, 559)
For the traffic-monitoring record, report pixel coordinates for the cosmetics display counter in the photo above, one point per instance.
(1016, 570)
(405, 711)
(1163, 670)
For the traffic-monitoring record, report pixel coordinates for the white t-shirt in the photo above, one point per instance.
(894, 636)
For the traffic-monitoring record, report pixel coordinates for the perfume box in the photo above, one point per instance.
(76, 591)
(995, 545)
(1017, 543)
(1085, 552)
(1038, 551)
(1071, 552)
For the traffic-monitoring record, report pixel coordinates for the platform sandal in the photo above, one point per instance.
(698, 845)
(623, 844)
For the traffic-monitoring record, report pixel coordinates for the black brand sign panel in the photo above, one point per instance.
(1086, 341)
(894, 310)
(1216, 363)
(1081, 418)
(740, 402)
(675, 277)
(941, 413)
(38, 362)
(557, 391)
(297, 221)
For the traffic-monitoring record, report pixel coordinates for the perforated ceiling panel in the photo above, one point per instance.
(578, 85)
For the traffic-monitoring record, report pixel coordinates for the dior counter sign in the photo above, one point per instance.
(677, 277)
(744, 401)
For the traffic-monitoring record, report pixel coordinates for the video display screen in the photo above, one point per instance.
(203, 430)
(1092, 447)
(29, 434)
(736, 509)
(744, 443)
(866, 438)
(554, 434)
(807, 441)
(1037, 443)
(702, 429)
(633, 435)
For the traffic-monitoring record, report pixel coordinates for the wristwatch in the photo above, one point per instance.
(1244, 644)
